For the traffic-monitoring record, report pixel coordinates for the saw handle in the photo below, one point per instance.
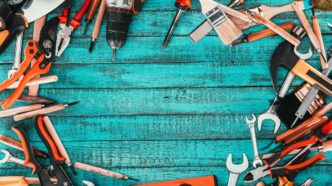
(14, 26)
(30, 160)
(44, 134)
(76, 22)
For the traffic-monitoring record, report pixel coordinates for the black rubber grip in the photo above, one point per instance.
(14, 26)
(26, 145)
(5, 13)
(118, 21)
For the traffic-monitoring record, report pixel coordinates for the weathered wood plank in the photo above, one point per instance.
(148, 174)
(150, 128)
(171, 153)
(103, 102)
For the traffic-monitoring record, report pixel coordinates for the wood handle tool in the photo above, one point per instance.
(17, 145)
(98, 24)
(318, 33)
(19, 110)
(43, 111)
(36, 81)
(311, 34)
(91, 12)
(262, 34)
(58, 142)
(101, 171)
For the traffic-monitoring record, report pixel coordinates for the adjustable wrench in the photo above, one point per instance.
(8, 158)
(251, 124)
(236, 170)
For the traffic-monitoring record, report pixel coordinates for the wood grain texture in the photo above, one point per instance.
(158, 114)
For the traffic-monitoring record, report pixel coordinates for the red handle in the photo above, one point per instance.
(76, 22)
(33, 72)
(184, 3)
(29, 53)
(307, 163)
(305, 143)
(327, 128)
(64, 16)
(48, 139)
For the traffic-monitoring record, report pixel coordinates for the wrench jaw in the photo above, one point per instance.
(252, 121)
(6, 157)
(304, 56)
(269, 116)
(237, 168)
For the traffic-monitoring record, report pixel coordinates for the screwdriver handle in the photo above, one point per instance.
(76, 22)
(268, 32)
(92, 10)
(99, 19)
(183, 4)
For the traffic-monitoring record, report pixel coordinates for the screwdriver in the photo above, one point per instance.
(183, 6)
(91, 12)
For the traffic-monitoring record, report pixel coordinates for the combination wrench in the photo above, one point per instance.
(236, 170)
(271, 113)
(251, 124)
(9, 158)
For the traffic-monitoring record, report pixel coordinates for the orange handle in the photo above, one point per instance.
(26, 147)
(29, 53)
(33, 72)
(44, 134)
(13, 180)
(76, 22)
(268, 32)
(92, 9)
(184, 3)
(199, 181)
(304, 143)
(307, 163)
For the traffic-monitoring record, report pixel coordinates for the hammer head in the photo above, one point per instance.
(284, 56)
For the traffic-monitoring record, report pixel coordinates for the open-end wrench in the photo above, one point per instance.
(88, 183)
(235, 170)
(271, 113)
(17, 55)
(8, 158)
(251, 124)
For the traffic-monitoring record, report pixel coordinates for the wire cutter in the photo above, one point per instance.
(44, 173)
(268, 168)
(42, 53)
(65, 31)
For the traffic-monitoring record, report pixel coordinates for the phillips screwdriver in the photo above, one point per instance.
(183, 6)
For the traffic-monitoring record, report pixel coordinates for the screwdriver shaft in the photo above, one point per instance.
(172, 28)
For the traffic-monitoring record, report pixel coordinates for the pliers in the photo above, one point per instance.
(64, 34)
(42, 52)
(45, 174)
(268, 168)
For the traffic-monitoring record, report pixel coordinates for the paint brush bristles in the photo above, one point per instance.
(225, 28)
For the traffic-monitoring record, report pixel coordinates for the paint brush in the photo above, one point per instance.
(227, 31)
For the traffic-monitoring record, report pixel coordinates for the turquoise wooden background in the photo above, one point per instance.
(162, 114)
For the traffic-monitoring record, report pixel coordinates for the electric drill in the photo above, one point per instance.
(118, 18)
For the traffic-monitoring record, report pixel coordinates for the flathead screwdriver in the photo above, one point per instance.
(183, 6)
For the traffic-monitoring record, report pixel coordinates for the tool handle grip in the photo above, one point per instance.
(63, 19)
(327, 128)
(13, 180)
(318, 33)
(42, 111)
(268, 32)
(92, 9)
(186, 4)
(30, 160)
(297, 167)
(276, 29)
(137, 6)
(44, 134)
(99, 19)
(36, 81)
(17, 145)
(33, 72)
(76, 22)
(98, 170)
(306, 131)
(327, 146)
(14, 26)
(14, 111)
(29, 53)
